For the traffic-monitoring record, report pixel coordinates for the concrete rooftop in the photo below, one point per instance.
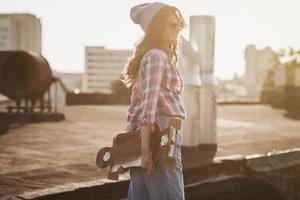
(46, 155)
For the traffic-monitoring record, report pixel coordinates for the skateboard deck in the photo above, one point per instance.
(125, 151)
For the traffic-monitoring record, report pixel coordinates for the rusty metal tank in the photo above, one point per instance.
(24, 75)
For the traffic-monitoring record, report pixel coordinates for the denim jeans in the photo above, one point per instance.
(161, 184)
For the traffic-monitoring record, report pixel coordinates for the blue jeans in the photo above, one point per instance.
(161, 184)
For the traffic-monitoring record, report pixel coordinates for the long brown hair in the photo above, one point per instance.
(153, 38)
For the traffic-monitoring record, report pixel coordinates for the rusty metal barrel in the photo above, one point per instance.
(24, 75)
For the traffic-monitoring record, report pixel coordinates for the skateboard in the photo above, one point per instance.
(125, 151)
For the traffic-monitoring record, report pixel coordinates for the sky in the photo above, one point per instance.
(70, 25)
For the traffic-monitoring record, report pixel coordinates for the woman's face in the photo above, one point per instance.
(172, 29)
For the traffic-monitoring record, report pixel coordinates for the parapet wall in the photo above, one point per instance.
(275, 176)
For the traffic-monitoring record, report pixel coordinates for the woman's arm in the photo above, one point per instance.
(153, 72)
(147, 162)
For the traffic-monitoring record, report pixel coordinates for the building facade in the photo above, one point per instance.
(20, 32)
(102, 67)
(258, 62)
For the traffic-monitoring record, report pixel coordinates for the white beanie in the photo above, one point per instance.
(143, 14)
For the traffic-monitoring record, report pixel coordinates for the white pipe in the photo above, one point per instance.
(199, 96)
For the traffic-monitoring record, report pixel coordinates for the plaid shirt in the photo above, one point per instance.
(155, 91)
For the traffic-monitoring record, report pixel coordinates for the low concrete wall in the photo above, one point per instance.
(274, 175)
(95, 99)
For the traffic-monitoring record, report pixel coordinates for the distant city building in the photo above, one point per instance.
(102, 67)
(258, 62)
(232, 90)
(69, 82)
(20, 32)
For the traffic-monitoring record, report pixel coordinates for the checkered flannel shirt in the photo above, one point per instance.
(156, 90)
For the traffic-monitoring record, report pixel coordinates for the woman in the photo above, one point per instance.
(156, 85)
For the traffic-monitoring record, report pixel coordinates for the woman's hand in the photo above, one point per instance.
(147, 159)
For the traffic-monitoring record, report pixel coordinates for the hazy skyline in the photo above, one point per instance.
(68, 26)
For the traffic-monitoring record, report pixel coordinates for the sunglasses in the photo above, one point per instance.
(175, 26)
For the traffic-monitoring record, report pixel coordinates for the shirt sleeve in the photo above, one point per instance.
(154, 68)
(132, 112)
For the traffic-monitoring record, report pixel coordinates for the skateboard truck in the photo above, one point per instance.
(103, 157)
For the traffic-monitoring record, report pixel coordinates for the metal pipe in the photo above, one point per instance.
(24, 75)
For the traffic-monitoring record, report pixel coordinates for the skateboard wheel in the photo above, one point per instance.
(113, 176)
(164, 140)
(103, 157)
(170, 163)
(106, 156)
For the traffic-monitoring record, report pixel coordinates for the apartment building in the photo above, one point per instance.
(102, 67)
(258, 62)
(20, 31)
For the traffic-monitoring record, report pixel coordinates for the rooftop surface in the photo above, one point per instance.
(45, 155)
